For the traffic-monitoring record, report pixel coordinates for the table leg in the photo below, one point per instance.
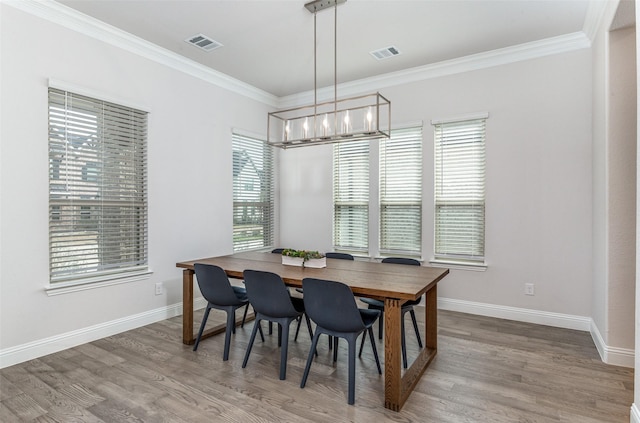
(398, 387)
(392, 354)
(431, 318)
(187, 307)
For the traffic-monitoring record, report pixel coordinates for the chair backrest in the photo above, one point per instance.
(341, 256)
(215, 285)
(331, 305)
(277, 250)
(401, 260)
(268, 294)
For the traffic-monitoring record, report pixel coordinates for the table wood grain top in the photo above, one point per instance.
(370, 279)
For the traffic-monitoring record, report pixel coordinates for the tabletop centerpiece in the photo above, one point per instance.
(303, 258)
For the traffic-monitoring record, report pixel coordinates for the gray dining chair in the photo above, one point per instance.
(271, 301)
(221, 295)
(331, 255)
(341, 256)
(407, 307)
(332, 307)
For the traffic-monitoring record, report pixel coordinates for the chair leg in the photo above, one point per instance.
(361, 345)
(380, 324)
(279, 335)
(202, 325)
(375, 349)
(231, 326)
(283, 351)
(314, 344)
(299, 320)
(253, 337)
(352, 370)
(260, 330)
(335, 348)
(415, 327)
(308, 327)
(244, 316)
(404, 345)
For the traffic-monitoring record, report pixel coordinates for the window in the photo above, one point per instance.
(253, 209)
(351, 196)
(401, 193)
(97, 189)
(460, 189)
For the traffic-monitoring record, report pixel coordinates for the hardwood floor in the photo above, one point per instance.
(487, 370)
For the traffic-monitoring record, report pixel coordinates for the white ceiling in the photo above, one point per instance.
(269, 43)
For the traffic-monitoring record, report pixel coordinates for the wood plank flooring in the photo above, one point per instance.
(487, 370)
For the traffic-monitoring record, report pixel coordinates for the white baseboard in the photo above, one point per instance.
(42, 347)
(610, 355)
(635, 414)
(559, 320)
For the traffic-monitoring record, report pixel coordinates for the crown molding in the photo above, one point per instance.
(74, 20)
(594, 18)
(527, 51)
(84, 24)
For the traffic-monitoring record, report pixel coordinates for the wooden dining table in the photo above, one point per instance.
(393, 283)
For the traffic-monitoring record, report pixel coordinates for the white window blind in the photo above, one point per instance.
(460, 189)
(97, 188)
(253, 208)
(351, 196)
(401, 192)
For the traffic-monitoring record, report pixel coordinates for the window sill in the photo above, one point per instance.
(94, 283)
(459, 265)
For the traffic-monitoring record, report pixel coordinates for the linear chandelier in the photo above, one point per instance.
(355, 118)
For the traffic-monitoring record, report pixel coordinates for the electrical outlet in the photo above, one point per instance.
(529, 289)
(159, 288)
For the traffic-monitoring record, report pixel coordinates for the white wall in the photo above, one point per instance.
(599, 49)
(539, 186)
(621, 201)
(614, 168)
(190, 188)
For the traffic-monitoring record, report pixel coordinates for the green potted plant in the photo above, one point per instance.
(306, 258)
(315, 259)
(292, 257)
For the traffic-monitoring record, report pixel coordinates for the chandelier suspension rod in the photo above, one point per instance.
(315, 68)
(335, 61)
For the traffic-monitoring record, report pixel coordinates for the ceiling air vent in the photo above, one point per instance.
(385, 53)
(203, 42)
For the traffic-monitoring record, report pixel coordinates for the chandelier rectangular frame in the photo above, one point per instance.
(355, 118)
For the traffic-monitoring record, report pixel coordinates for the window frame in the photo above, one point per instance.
(372, 187)
(261, 156)
(118, 137)
(351, 164)
(457, 193)
(403, 191)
